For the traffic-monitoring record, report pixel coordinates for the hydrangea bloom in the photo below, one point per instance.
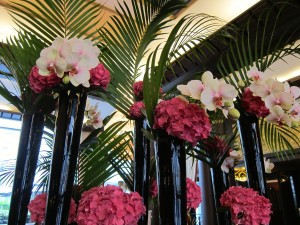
(181, 119)
(135, 109)
(254, 104)
(138, 89)
(193, 193)
(247, 206)
(153, 189)
(40, 83)
(100, 76)
(37, 208)
(109, 205)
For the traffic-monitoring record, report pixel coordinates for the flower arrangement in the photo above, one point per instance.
(184, 120)
(193, 192)
(93, 117)
(247, 207)
(109, 205)
(69, 60)
(268, 98)
(37, 208)
(212, 93)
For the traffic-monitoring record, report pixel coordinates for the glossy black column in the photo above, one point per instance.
(64, 159)
(220, 185)
(29, 146)
(208, 210)
(141, 165)
(171, 179)
(252, 150)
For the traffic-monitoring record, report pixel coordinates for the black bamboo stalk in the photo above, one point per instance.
(64, 159)
(171, 180)
(252, 150)
(141, 165)
(19, 169)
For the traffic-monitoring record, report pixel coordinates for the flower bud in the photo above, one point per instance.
(294, 124)
(241, 83)
(66, 79)
(227, 104)
(234, 114)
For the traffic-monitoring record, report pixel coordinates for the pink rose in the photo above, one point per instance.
(246, 206)
(254, 104)
(100, 76)
(109, 205)
(39, 83)
(37, 209)
(135, 109)
(183, 120)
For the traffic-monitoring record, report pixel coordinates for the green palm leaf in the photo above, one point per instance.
(260, 49)
(60, 18)
(127, 38)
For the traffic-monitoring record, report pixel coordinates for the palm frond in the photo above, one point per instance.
(127, 40)
(96, 166)
(60, 18)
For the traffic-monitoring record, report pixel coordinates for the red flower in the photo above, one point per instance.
(100, 76)
(37, 208)
(247, 206)
(193, 193)
(135, 109)
(153, 189)
(109, 205)
(254, 104)
(138, 89)
(183, 120)
(39, 83)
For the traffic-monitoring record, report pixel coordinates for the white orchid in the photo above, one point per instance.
(278, 116)
(270, 86)
(192, 89)
(217, 94)
(256, 76)
(284, 100)
(93, 116)
(227, 164)
(268, 165)
(78, 70)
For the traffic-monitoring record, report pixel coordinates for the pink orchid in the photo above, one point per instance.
(295, 111)
(78, 70)
(283, 99)
(278, 116)
(256, 76)
(270, 86)
(216, 93)
(193, 89)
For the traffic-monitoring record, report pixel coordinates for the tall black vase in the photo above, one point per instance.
(141, 165)
(220, 184)
(64, 158)
(171, 179)
(252, 150)
(29, 147)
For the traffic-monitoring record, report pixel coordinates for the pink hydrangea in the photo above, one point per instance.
(135, 109)
(109, 205)
(254, 104)
(39, 83)
(100, 76)
(37, 209)
(247, 207)
(138, 89)
(153, 189)
(193, 193)
(181, 119)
